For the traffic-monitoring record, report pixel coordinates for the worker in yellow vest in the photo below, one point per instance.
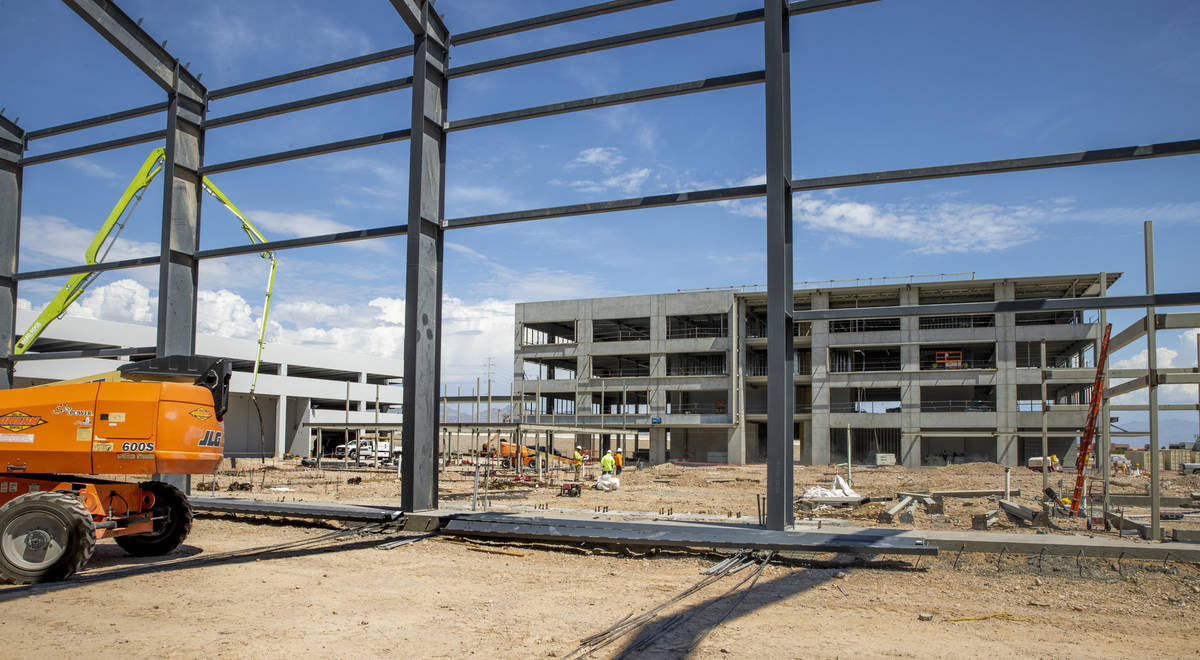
(577, 461)
(607, 463)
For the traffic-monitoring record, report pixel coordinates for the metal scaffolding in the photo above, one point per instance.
(186, 122)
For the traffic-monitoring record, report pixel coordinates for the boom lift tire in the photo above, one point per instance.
(44, 537)
(168, 534)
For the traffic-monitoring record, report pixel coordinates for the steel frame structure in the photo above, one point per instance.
(186, 122)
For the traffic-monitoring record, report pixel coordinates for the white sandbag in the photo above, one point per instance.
(817, 491)
(839, 484)
(607, 482)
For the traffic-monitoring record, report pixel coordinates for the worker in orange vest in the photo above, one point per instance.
(619, 460)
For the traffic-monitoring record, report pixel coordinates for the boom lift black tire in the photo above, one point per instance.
(44, 537)
(168, 534)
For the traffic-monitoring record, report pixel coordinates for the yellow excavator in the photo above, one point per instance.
(100, 246)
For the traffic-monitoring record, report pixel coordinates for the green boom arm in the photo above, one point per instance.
(108, 234)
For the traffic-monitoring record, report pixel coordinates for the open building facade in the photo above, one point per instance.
(689, 370)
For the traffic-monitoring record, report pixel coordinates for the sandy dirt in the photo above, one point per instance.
(343, 597)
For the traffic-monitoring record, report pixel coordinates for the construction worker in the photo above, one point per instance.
(619, 460)
(607, 463)
(577, 461)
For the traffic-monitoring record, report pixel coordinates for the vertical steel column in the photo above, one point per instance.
(12, 147)
(1105, 412)
(1152, 382)
(780, 339)
(423, 273)
(178, 269)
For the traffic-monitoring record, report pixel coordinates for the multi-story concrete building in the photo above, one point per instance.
(690, 368)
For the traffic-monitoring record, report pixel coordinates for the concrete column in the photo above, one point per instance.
(281, 416)
(1006, 379)
(910, 389)
(736, 446)
(816, 446)
(658, 445)
(362, 404)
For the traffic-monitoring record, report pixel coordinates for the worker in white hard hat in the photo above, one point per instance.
(620, 461)
(577, 461)
(607, 463)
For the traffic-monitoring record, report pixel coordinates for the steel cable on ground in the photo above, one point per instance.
(601, 639)
(679, 621)
(734, 605)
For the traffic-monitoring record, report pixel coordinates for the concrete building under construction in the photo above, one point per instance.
(690, 369)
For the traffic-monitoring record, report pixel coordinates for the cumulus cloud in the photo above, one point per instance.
(126, 300)
(91, 168)
(1182, 355)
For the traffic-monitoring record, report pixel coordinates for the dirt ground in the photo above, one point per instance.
(272, 590)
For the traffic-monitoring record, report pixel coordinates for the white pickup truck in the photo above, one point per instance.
(1189, 468)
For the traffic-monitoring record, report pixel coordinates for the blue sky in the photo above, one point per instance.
(880, 86)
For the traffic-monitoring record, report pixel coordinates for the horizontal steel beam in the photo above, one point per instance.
(110, 118)
(1031, 305)
(306, 241)
(147, 54)
(313, 102)
(1135, 331)
(1119, 154)
(312, 72)
(608, 43)
(810, 6)
(152, 136)
(83, 353)
(653, 201)
(547, 20)
(607, 100)
(316, 150)
(88, 268)
(214, 253)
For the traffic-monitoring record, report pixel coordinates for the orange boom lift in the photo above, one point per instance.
(160, 416)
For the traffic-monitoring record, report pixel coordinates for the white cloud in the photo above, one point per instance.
(629, 182)
(607, 158)
(125, 300)
(530, 282)
(91, 168)
(296, 224)
(934, 228)
(58, 240)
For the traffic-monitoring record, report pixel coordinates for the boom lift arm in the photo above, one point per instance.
(111, 229)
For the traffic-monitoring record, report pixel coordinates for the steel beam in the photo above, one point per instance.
(83, 353)
(141, 138)
(178, 268)
(133, 42)
(423, 268)
(101, 120)
(780, 336)
(316, 150)
(1119, 154)
(88, 268)
(557, 18)
(607, 100)
(810, 6)
(1028, 305)
(12, 144)
(608, 43)
(628, 204)
(313, 102)
(311, 72)
(1152, 379)
(306, 241)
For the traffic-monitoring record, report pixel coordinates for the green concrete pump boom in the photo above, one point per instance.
(111, 229)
